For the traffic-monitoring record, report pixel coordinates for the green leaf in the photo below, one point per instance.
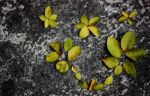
(52, 56)
(93, 20)
(113, 47)
(129, 21)
(78, 75)
(80, 25)
(135, 54)
(62, 66)
(73, 53)
(108, 80)
(83, 84)
(55, 46)
(68, 44)
(84, 32)
(128, 41)
(110, 62)
(94, 30)
(118, 70)
(129, 68)
(52, 23)
(42, 17)
(53, 17)
(46, 23)
(133, 14)
(122, 19)
(125, 14)
(84, 20)
(99, 86)
(48, 11)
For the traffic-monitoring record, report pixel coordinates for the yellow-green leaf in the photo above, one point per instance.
(93, 83)
(129, 68)
(52, 56)
(52, 23)
(94, 30)
(42, 17)
(74, 69)
(129, 21)
(46, 23)
(108, 80)
(68, 44)
(93, 20)
(73, 53)
(118, 70)
(133, 14)
(135, 54)
(62, 66)
(110, 62)
(84, 32)
(125, 14)
(84, 20)
(48, 11)
(55, 46)
(113, 47)
(122, 19)
(83, 84)
(99, 86)
(53, 17)
(128, 41)
(78, 75)
(80, 25)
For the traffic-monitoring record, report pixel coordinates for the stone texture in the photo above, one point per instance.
(24, 42)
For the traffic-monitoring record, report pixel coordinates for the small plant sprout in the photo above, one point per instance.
(86, 26)
(49, 18)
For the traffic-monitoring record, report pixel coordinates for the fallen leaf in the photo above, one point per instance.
(68, 44)
(73, 53)
(110, 62)
(84, 20)
(128, 41)
(55, 46)
(118, 70)
(94, 30)
(52, 56)
(113, 47)
(48, 12)
(129, 68)
(62, 66)
(108, 80)
(135, 54)
(84, 32)
(93, 83)
(93, 20)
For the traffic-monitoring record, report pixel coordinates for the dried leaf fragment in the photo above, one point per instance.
(52, 56)
(73, 53)
(93, 83)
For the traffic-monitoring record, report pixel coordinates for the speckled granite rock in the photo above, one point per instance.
(24, 42)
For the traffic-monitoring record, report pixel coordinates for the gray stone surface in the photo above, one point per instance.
(24, 42)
